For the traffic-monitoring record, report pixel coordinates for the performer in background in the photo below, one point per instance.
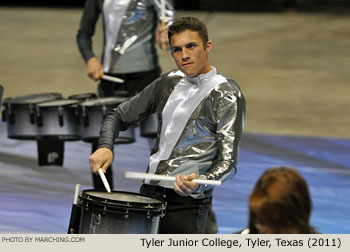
(131, 28)
(201, 121)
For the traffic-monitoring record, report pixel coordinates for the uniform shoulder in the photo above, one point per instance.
(230, 85)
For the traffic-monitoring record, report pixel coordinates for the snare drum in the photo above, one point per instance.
(92, 113)
(58, 120)
(119, 213)
(20, 114)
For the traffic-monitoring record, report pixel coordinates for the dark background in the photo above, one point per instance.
(211, 5)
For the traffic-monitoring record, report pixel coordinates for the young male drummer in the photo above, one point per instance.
(202, 117)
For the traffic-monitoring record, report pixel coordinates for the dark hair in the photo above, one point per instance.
(189, 23)
(281, 201)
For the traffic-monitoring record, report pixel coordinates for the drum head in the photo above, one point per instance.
(34, 98)
(117, 201)
(126, 197)
(83, 97)
(58, 103)
(104, 101)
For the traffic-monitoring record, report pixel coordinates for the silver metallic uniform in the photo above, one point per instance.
(129, 28)
(199, 130)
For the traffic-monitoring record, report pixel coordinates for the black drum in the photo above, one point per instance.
(83, 97)
(119, 213)
(149, 126)
(58, 120)
(92, 113)
(20, 114)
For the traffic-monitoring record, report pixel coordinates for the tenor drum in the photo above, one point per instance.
(58, 120)
(92, 113)
(149, 126)
(119, 213)
(83, 97)
(20, 114)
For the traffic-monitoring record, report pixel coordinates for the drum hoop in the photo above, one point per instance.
(121, 209)
(65, 103)
(115, 205)
(107, 102)
(83, 96)
(24, 100)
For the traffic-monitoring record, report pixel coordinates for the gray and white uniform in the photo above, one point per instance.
(200, 125)
(129, 28)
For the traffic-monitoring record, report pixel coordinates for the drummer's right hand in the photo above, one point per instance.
(94, 68)
(101, 158)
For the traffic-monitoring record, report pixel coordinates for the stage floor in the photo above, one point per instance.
(38, 199)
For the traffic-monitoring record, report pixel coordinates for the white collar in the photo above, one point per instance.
(201, 78)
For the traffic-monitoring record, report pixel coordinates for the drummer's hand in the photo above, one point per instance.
(94, 68)
(101, 158)
(184, 186)
(162, 37)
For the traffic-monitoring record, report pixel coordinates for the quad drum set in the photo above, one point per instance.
(49, 118)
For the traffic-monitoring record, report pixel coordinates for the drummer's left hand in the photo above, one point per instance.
(184, 186)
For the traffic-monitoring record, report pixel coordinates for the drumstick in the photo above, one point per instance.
(140, 175)
(164, 45)
(76, 194)
(74, 221)
(104, 180)
(111, 78)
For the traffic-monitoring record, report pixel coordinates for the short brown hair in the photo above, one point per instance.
(189, 23)
(281, 200)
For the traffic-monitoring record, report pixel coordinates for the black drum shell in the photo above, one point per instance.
(92, 114)
(20, 114)
(103, 216)
(59, 120)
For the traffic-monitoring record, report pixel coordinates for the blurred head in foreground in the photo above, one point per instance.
(280, 203)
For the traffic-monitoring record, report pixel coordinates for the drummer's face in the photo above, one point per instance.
(189, 53)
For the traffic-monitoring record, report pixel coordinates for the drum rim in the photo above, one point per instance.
(83, 96)
(94, 201)
(65, 103)
(117, 100)
(21, 100)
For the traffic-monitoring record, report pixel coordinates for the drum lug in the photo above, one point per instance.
(60, 116)
(85, 117)
(11, 116)
(104, 110)
(105, 207)
(127, 213)
(3, 115)
(76, 112)
(31, 114)
(39, 119)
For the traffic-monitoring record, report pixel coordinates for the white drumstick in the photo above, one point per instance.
(76, 194)
(162, 17)
(111, 78)
(162, 10)
(104, 180)
(140, 175)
